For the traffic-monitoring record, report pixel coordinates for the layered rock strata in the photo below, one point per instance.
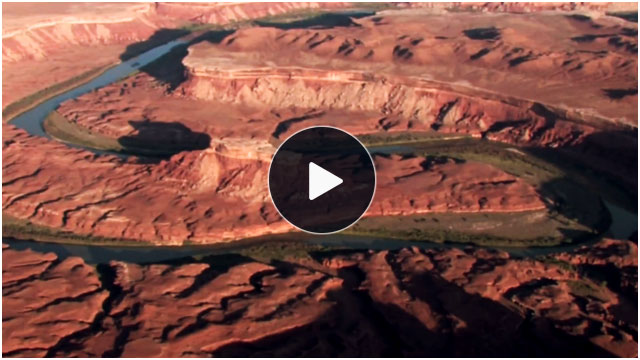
(215, 195)
(409, 302)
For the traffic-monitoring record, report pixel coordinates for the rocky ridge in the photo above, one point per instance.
(409, 302)
(400, 54)
(62, 41)
(215, 195)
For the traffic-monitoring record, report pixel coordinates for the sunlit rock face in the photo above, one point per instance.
(247, 91)
(398, 62)
(45, 44)
(218, 194)
(543, 77)
(409, 302)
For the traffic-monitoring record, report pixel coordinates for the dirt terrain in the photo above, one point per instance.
(232, 96)
(398, 55)
(61, 41)
(218, 194)
(409, 302)
(520, 122)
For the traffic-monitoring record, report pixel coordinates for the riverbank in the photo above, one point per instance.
(25, 230)
(65, 131)
(572, 212)
(31, 101)
(572, 216)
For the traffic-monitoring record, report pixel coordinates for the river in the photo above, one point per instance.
(32, 120)
(624, 222)
(153, 254)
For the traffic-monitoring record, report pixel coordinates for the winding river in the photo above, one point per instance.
(624, 222)
(32, 120)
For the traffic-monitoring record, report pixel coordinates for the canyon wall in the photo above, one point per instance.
(216, 195)
(60, 41)
(409, 302)
(92, 27)
(463, 52)
(224, 13)
(402, 104)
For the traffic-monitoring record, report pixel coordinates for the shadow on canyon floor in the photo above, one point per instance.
(283, 126)
(162, 139)
(604, 166)
(631, 16)
(158, 38)
(169, 69)
(617, 94)
(320, 21)
(359, 325)
(611, 157)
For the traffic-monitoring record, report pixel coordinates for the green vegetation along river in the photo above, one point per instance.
(577, 213)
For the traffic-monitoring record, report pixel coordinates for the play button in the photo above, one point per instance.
(322, 180)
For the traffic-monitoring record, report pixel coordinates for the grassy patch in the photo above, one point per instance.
(406, 138)
(566, 188)
(280, 250)
(312, 17)
(503, 156)
(59, 128)
(559, 263)
(586, 289)
(18, 107)
(459, 228)
(25, 230)
(574, 214)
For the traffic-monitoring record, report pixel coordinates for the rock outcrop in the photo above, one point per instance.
(404, 60)
(613, 262)
(216, 195)
(409, 302)
(61, 41)
(45, 301)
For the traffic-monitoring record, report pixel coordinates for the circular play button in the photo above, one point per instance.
(322, 180)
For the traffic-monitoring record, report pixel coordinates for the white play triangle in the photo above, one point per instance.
(321, 181)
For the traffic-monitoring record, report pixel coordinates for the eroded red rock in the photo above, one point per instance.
(410, 302)
(45, 301)
(59, 41)
(214, 195)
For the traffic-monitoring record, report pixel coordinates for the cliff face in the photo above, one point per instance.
(38, 38)
(60, 41)
(409, 302)
(224, 13)
(401, 104)
(45, 44)
(216, 195)
(400, 56)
